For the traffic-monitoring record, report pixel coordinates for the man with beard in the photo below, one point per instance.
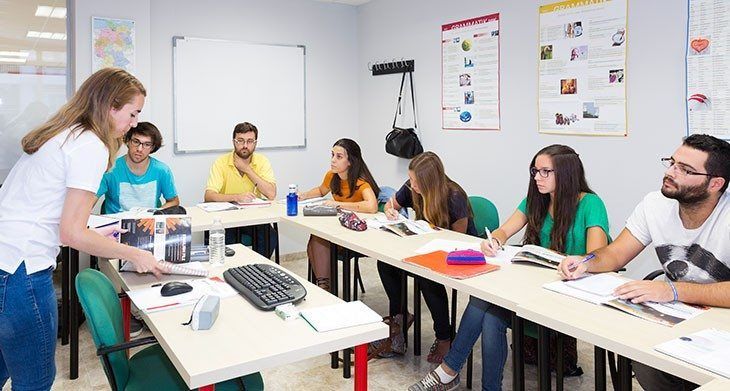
(689, 224)
(137, 179)
(241, 176)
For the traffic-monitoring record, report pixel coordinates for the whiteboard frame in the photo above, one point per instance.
(178, 151)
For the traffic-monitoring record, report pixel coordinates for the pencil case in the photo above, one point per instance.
(465, 257)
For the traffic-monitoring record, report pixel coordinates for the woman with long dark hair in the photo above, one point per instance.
(353, 188)
(442, 203)
(560, 212)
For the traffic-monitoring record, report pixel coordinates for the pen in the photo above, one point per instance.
(162, 306)
(586, 259)
(158, 284)
(490, 238)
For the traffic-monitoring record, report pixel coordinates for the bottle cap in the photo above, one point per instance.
(292, 188)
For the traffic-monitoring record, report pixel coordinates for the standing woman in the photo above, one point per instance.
(560, 212)
(442, 203)
(353, 188)
(45, 202)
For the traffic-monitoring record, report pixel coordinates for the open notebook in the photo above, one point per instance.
(708, 349)
(436, 261)
(340, 316)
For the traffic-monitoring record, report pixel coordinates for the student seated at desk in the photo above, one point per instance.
(353, 188)
(138, 179)
(689, 224)
(560, 212)
(442, 203)
(241, 176)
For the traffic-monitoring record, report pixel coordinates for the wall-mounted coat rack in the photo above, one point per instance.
(394, 66)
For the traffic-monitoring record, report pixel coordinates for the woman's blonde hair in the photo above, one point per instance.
(88, 109)
(436, 187)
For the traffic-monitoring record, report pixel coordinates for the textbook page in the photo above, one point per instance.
(340, 316)
(708, 349)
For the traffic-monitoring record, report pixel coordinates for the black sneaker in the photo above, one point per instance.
(135, 326)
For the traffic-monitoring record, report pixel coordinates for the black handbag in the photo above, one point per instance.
(404, 142)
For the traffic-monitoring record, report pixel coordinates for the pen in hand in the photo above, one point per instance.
(490, 238)
(586, 259)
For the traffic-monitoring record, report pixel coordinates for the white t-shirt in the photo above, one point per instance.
(699, 255)
(32, 197)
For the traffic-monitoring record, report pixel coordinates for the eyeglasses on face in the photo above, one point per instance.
(136, 143)
(544, 172)
(240, 141)
(681, 169)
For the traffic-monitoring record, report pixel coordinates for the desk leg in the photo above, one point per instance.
(543, 358)
(624, 370)
(267, 239)
(346, 357)
(417, 315)
(207, 388)
(518, 361)
(65, 318)
(361, 367)
(126, 314)
(559, 372)
(74, 313)
(334, 356)
(276, 249)
(599, 369)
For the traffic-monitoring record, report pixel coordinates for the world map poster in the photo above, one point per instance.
(112, 44)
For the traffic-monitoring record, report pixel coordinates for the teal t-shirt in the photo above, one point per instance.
(591, 212)
(125, 190)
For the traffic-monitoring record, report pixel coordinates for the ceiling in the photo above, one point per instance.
(17, 17)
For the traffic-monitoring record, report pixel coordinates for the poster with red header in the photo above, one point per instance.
(470, 74)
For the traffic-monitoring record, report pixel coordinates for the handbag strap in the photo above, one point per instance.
(400, 98)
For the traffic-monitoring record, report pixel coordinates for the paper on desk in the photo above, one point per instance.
(446, 245)
(602, 284)
(708, 349)
(380, 220)
(150, 300)
(254, 203)
(216, 206)
(340, 316)
(504, 256)
(563, 288)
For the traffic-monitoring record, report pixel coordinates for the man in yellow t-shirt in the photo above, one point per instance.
(241, 176)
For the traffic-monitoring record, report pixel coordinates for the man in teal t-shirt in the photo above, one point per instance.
(137, 179)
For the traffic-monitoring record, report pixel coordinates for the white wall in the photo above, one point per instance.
(494, 164)
(327, 30)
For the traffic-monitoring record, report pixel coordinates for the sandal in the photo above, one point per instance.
(323, 282)
(436, 353)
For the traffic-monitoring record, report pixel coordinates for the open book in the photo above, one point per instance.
(401, 227)
(340, 316)
(537, 255)
(708, 349)
(223, 206)
(598, 289)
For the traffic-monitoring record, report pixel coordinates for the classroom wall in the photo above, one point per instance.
(495, 163)
(329, 33)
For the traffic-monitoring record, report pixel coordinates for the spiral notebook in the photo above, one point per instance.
(183, 269)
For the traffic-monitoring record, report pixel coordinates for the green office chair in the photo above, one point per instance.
(485, 214)
(148, 369)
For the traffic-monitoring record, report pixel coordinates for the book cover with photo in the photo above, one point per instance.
(168, 238)
(405, 228)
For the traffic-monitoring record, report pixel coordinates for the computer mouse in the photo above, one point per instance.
(230, 252)
(173, 288)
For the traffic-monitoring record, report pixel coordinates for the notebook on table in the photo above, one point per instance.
(436, 261)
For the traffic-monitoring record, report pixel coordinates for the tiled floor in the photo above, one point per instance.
(315, 373)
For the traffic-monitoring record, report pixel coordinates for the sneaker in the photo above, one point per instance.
(135, 327)
(432, 382)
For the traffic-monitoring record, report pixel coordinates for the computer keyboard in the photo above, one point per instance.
(265, 286)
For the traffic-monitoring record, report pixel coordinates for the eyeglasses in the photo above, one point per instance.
(239, 141)
(544, 172)
(680, 168)
(136, 143)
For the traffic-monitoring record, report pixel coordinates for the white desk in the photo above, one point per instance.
(244, 339)
(203, 221)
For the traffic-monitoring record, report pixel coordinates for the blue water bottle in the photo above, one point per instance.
(291, 201)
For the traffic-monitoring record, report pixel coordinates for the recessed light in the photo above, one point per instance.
(58, 12)
(46, 11)
(13, 54)
(12, 59)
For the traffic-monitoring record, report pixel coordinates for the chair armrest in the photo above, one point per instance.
(654, 274)
(104, 350)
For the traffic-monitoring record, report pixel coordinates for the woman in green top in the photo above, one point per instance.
(560, 212)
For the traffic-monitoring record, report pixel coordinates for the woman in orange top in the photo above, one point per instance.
(353, 188)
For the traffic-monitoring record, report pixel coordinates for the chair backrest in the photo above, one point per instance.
(485, 214)
(101, 305)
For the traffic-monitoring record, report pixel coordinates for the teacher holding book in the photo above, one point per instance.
(45, 202)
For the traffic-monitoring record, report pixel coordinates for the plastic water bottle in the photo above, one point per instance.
(291, 201)
(217, 243)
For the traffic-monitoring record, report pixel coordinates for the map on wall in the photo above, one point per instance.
(708, 59)
(112, 44)
(582, 72)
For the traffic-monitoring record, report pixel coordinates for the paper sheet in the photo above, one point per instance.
(340, 316)
(150, 300)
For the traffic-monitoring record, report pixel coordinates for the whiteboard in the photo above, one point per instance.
(218, 84)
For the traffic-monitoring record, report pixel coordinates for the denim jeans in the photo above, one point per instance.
(28, 327)
(491, 321)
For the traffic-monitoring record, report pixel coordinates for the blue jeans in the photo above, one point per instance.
(491, 321)
(28, 327)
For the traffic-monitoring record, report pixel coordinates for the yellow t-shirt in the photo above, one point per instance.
(224, 177)
(360, 185)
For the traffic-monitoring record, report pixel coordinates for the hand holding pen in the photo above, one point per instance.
(390, 211)
(490, 246)
(573, 267)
